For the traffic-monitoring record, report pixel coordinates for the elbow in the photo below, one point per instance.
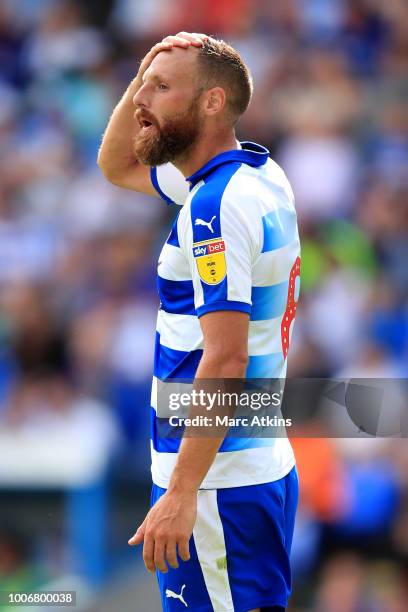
(100, 159)
(104, 167)
(240, 360)
(108, 172)
(238, 364)
(230, 365)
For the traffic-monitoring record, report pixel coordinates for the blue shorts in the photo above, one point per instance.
(239, 550)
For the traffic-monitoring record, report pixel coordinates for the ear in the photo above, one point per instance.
(214, 101)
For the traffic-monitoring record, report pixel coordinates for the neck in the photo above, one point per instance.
(208, 146)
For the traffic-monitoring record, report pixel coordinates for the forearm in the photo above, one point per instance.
(197, 454)
(116, 152)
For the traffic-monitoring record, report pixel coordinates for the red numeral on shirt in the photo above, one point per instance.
(291, 305)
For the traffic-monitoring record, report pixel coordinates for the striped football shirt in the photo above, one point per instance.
(234, 245)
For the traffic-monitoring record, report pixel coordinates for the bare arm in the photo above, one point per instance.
(116, 158)
(224, 356)
(170, 522)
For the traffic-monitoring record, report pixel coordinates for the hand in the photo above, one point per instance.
(186, 39)
(167, 527)
(182, 40)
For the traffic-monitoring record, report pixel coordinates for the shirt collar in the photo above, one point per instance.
(253, 154)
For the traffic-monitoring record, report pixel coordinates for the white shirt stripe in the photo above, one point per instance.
(210, 545)
(180, 332)
(234, 468)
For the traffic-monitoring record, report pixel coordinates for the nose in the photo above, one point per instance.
(140, 97)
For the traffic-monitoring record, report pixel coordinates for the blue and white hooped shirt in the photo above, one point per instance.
(233, 246)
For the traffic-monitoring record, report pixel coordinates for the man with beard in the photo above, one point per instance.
(228, 279)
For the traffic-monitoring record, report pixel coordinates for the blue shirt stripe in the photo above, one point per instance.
(173, 236)
(161, 430)
(171, 363)
(269, 302)
(224, 305)
(265, 366)
(176, 297)
(279, 229)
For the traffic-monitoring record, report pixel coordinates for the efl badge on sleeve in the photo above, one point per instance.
(210, 259)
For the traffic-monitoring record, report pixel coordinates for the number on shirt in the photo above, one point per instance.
(291, 306)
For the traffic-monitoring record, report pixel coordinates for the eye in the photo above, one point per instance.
(163, 86)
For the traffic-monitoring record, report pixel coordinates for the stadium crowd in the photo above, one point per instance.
(77, 255)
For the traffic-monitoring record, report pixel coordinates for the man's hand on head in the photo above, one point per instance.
(182, 40)
(186, 39)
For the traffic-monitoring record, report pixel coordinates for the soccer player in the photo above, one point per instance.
(220, 528)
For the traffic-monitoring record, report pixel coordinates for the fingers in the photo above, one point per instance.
(178, 41)
(158, 556)
(193, 37)
(171, 554)
(148, 552)
(156, 551)
(164, 45)
(137, 538)
(183, 549)
(185, 39)
(182, 40)
(151, 549)
(159, 547)
(201, 36)
(165, 551)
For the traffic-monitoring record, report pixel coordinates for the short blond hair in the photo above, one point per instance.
(222, 66)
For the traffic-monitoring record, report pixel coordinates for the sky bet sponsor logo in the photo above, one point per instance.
(210, 248)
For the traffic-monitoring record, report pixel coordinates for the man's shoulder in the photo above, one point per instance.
(235, 176)
(256, 184)
(241, 186)
(250, 179)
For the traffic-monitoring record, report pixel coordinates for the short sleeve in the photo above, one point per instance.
(221, 244)
(170, 184)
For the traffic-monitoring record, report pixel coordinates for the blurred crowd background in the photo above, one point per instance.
(77, 284)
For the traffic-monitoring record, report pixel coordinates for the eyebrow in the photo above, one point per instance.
(154, 77)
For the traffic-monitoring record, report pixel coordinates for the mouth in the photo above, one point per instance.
(144, 123)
